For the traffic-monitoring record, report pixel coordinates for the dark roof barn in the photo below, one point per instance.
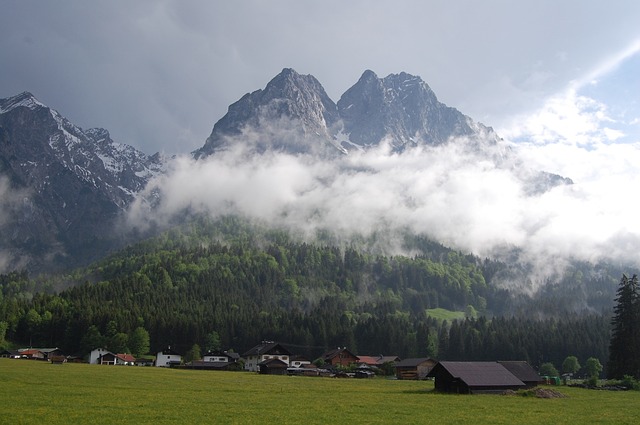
(473, 377)
(523, 371)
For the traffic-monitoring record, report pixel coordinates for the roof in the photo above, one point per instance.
(479, 374)
(267, 347)
(522, 370)
(336, 351)
(42, 350)
(169, 352)
(126, 357)
(369, 360)
(277, 363)
(30, 352)
(215, 353)
(415, 362)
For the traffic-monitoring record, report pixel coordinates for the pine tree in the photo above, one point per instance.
(624, 347)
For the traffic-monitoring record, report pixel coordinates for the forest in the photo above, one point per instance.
(245, 283)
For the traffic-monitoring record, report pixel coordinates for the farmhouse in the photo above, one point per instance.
(215, 360)
(39, 353)
(217, 356)
(168, 358)
(339, 356)
(266, 350)
(105, 357)
(473, 377)
(415, 368)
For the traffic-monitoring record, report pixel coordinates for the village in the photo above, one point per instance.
(273, 358)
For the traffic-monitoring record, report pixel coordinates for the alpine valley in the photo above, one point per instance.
(89, 251)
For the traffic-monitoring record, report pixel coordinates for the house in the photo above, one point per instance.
(266, 350)
(168, 358)
(299, 361)
(215, 360)
(414, 368)
(32, 354)
(125, 359)
(96, 354)
(10, 354)
(473, 377)
(524, 372)
(107, 358)
(377, 361)
(339, 356)
(368, 361)
(273, 367)
(217, 356)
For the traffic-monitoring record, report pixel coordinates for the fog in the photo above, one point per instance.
(475, 200)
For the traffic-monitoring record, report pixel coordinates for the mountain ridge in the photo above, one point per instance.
(76, 184)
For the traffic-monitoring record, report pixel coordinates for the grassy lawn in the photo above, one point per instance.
(444, 314)
(34, 392)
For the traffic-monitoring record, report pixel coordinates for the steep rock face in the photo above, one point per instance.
(74, 184)
(292, 113)
(402, 109)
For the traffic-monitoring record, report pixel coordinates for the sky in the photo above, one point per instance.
(159, 74)
(558, 80)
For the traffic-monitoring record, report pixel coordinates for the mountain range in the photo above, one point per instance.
(65, 188)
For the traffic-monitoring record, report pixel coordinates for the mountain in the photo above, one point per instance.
(66, 186)
(403, 109)
(294, 114)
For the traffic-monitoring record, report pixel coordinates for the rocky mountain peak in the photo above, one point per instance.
(74, 182)
(293, 112)
(24, 99)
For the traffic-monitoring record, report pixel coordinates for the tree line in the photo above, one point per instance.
(181, 288)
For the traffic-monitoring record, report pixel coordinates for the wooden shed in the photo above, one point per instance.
(415, 368)
(273, 367)
(474, 378)
(524, 372)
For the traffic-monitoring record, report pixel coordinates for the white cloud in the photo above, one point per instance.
(459, 198)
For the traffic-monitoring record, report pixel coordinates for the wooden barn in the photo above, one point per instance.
(524, 372)
(273, 367)
(339, 356)
(416, 368)
(474, 378)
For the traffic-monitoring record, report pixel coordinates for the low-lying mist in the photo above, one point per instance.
(475, 200)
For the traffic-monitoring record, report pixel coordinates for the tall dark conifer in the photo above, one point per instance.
(624, 347)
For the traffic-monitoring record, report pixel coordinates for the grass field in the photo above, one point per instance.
(34, 392)
(444, 314)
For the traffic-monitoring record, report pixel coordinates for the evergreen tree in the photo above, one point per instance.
(624, 347)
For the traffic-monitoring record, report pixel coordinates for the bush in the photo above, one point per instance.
(630, 382)
(592, 381)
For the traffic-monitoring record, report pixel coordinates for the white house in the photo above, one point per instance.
(167, 358)
(299, 361)
(96, 355)
(266, 350)
(216, 356)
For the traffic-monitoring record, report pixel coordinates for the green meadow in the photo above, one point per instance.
(34, 392)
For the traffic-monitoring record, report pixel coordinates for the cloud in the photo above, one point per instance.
(158, 75)
(12, 200)
(452, 193)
